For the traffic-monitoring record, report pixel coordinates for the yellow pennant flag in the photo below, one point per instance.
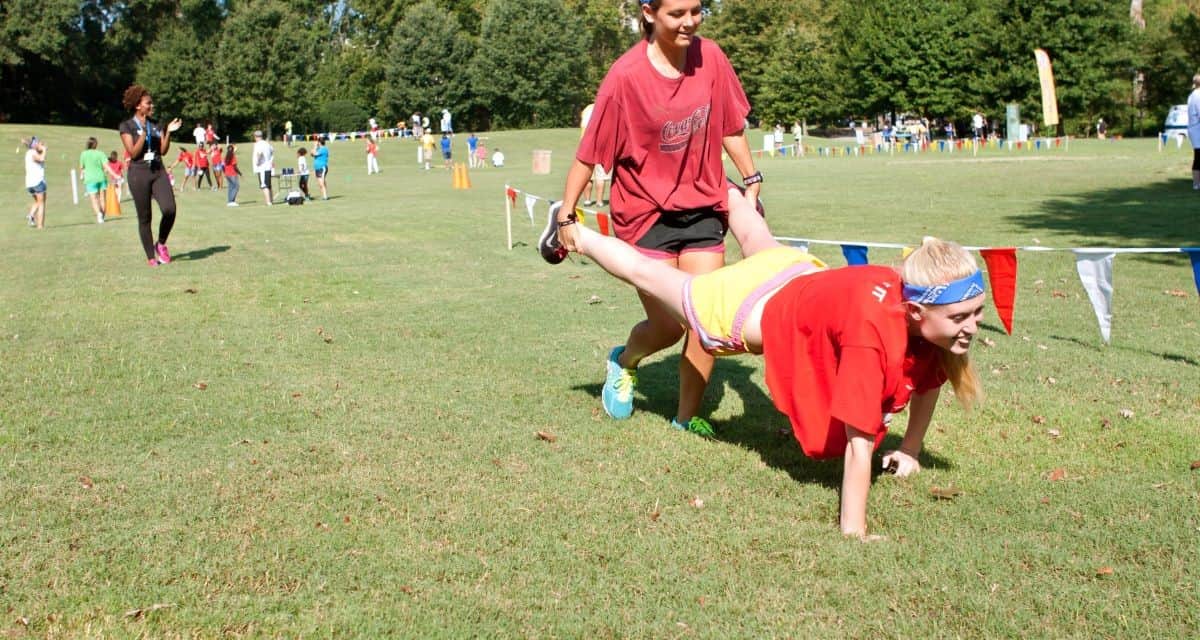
(1046, 76)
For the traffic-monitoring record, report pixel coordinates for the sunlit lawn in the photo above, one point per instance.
(321, 420)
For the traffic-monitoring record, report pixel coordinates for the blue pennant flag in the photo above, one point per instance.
(1194, 254)
(857, 254)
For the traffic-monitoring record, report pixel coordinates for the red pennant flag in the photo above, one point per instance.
(512, 195)
(1002, 277)
(602, 222)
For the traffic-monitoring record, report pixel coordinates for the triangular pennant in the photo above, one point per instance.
(1095, 272)
(529, 202)
(1194, 254)
(799, 244)
(511, 194)
(1002, 277)
(855, 254)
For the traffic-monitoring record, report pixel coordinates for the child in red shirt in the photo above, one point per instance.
(663, 114)
(188, 169)
(844, 348)
(200, 159)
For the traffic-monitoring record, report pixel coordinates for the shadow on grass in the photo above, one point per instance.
(1099, 346)
(1158, 214)
(200, 254)
(760, 428)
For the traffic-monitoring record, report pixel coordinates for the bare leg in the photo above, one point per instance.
(1196, 179)
(40, 214)
(696, 365)
(749, 228)
(659, 281)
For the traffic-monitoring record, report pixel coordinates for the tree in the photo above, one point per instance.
(429, 61)
(527, 68)
(264, 56)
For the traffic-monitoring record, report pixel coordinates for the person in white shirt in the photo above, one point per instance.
(264, 163)
(198, 134)
(1193, 129)
(35, 181)
(498, 158)
(447, 126)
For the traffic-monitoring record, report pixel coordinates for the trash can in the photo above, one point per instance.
(541, 161)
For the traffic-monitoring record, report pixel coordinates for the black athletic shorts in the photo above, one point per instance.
(677, 232)
(1195, 159)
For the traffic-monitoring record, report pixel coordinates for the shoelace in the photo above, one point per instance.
(626, 381)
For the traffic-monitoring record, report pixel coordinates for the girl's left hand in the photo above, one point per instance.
(174, 125)
(901, 463)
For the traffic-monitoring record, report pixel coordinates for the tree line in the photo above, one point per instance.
(245, 64)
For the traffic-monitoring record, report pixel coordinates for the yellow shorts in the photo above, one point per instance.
(717, 304)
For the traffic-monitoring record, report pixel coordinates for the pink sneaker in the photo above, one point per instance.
(164, 256)
(152, 262)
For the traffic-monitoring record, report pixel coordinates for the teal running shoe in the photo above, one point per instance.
(696, 425)
(619, 383)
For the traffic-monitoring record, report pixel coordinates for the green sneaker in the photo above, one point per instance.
(696, 425)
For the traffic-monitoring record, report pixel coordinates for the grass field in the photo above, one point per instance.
(320, 421)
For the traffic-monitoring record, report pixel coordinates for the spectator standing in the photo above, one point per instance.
(147, 145)
(1193, 129)
(427, 143)
(198, 134)
(472, 148)
(302, 171)
(35, 181)
(217, 160)
(200, 159)
(92, 166)
(445, 144)
(321, 166)
(372, 156)
(498, 158)
(233, 176)
(447, 124)
(798, 137)
(287, 132)
(1101, 129)
(977, 126)
(264, 163)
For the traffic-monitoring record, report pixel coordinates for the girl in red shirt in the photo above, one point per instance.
(844, 348)
(662, 116)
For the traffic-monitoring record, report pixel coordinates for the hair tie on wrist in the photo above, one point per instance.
(753, 178)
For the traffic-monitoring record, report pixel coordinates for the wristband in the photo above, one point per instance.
(753, 178)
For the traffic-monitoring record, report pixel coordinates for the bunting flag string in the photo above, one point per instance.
(1094, 265)
(876, 146)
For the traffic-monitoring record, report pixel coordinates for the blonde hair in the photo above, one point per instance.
(937, 262)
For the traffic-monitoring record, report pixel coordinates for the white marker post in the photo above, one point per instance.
(74, 187)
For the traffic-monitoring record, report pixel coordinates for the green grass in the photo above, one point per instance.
(362, 459)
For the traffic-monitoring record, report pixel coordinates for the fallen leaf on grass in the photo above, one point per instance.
(1105, 423)
(1054, 433)
(1177, 293)
(23, 621)
(948, 493)
(1056, 475)
(407, 590)
(1127, 413)
(138, 614)
(547, 436)
(296, 394)
(696, 502)
(327, 339)
(201, 385)
(1104, 571)
(322, 526)
(988, 342)
(594, 300)
(1038, 419)
(189, 291)
(656, 514)
(1195, 464)
(1059, 294)
(85, 482)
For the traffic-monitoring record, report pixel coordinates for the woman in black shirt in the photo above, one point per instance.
(146, 145)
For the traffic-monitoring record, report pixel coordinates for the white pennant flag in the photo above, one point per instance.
(1095, 272)
(529, 202)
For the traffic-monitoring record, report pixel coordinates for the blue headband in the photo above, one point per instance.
(957, 291)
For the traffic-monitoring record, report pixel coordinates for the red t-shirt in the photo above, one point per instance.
(231, 167)
(838, 353)
(215, 156)
(117, 167)
(661, 137)
(201, 159)
(186, 157)
(372, 149)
